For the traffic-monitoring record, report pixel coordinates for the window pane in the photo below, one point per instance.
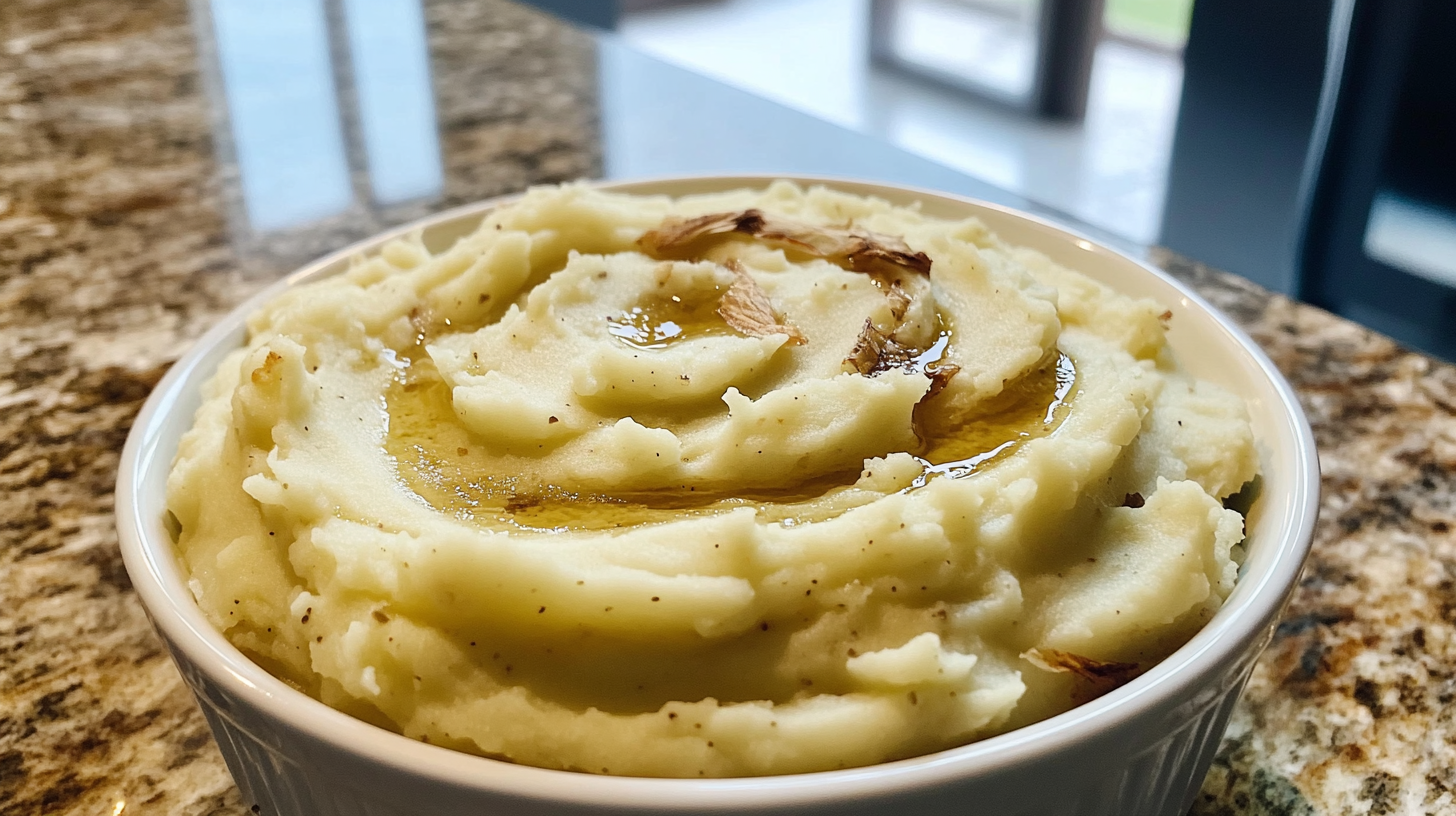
(391, 64)
(989, 45)
(274, 56)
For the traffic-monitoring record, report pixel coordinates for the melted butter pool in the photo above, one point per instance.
(453, 472)
(661, 322)
(1036, 405)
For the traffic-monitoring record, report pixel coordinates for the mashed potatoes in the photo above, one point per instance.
(750, 483)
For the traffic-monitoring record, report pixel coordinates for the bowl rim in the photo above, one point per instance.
(159, 582)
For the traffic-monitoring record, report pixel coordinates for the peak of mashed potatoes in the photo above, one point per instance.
(758, 482)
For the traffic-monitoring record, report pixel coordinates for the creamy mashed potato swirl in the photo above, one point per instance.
(759, 482)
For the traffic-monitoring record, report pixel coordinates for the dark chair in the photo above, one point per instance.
(1380, 243)
(1313, 155)
(1248, 134)
(597, 13)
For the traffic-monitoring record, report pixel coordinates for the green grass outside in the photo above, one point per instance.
(1162, 21)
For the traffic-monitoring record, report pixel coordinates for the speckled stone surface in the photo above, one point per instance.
(121, 241)
(1350, 710)
(122, 238)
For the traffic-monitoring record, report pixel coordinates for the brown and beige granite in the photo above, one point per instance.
(121, 240)
(1350, 710)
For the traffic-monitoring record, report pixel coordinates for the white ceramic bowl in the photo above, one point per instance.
(1142, 749)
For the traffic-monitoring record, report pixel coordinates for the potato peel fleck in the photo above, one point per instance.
(263, 373)
(875, 352)
(856, 249)
(939, 379)
(899, 299)
(1098, 671)
(748, 310)
(519, 502)
(678, 232)
(878, 254)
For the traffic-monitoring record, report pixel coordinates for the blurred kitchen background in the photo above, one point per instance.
(920, 91)
(1306, 145)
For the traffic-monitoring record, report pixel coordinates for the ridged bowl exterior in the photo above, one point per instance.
(1141, 750)
(1124, 772)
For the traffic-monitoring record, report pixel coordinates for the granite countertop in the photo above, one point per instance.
(123, 236)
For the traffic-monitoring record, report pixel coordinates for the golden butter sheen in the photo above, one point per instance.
(546, 496)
